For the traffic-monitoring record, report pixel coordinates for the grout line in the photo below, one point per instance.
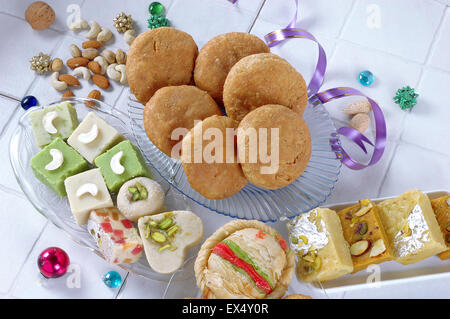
(347, 19)
(387, 169)
(12, 191)
(5, 128)
(436, 36)
(424, 148)
(14, 284)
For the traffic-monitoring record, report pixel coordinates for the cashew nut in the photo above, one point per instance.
(78, 25)
(129, 36)
(87, 188)
(104, 35)
(112, 73)
(115, 164)
(103, 63)
(90, 136)
(57, 159)
(82, 71)
(123, 73)
(93, 31)
(58, 85)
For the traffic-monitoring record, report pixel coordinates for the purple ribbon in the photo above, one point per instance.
(277, 37)
(355, 135)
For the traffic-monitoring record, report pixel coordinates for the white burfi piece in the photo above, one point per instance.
(87, 191)
(411, 227)
(52, 122)
(320, 246)
(116, 237)
(93, 137)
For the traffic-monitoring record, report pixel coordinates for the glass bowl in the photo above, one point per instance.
(309, 191)
(56, 209)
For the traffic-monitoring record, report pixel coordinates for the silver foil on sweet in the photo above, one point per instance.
(420, 234)
(306, 225)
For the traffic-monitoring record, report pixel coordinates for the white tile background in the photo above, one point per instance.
(409, 46)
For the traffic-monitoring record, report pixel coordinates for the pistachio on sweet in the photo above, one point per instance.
(406, 230)
(159, 237)
(138, 192)
(166, 223)
(162, 232)
(304, 239)
(361, 228)
(172, 230)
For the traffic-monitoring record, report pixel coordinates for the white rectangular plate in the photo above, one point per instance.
(391, 272)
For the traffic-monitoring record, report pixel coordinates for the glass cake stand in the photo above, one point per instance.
(309, 191)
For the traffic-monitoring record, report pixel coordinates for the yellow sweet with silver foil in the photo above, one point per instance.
(411, 227)
(441, 207)
(320, 246)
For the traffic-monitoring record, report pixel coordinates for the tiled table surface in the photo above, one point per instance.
(403, 42)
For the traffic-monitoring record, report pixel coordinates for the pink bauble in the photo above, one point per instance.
(53, 262)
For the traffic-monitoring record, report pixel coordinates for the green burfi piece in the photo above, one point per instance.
(73, 164)
(132, 160)
(65, 123)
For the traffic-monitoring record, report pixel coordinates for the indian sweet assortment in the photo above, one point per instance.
(232, 83)
(408, 229)
(98, 167)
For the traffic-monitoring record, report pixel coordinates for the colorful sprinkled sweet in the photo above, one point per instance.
(116, 237)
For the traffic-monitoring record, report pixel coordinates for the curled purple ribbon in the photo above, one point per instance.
(275, 38)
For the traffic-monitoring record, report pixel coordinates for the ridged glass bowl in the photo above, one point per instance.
(309, 191)
(57, 209)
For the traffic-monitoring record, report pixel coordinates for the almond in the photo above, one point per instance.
(76, 62)
(94, 94)
(360, 106)
(101, 81)
(91, 44)
(360, 122)
(67, 94)
(378, 248)
(364, 209)
(95, 67)
(69, 79)
(359, 248)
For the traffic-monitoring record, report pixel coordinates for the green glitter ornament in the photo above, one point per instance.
(158, 21)
(156, 9)
(406, 97)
